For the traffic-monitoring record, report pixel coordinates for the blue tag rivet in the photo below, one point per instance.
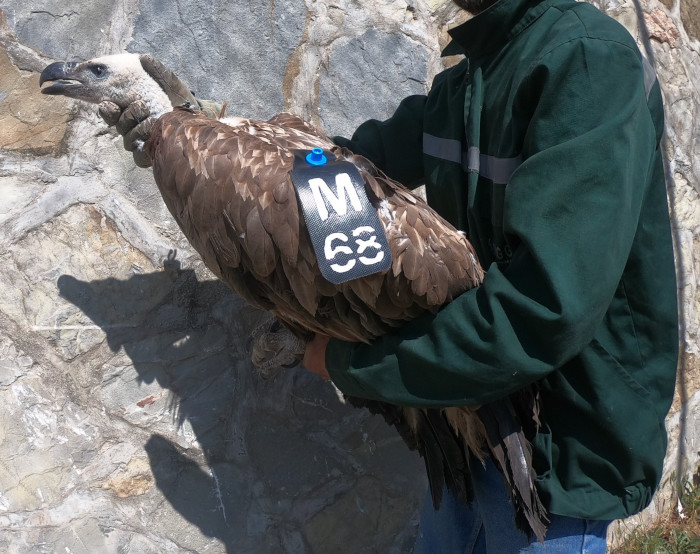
(316, 157)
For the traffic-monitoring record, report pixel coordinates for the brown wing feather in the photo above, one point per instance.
(229, 189)
(290, 121)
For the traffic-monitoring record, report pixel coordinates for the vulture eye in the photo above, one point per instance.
(98, 70)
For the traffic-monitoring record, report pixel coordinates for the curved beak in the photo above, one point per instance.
(62, 75)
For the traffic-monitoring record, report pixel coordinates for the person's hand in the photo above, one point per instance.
(315, 356)
(135, 122)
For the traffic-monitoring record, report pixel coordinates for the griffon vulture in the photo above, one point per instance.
(229, 185)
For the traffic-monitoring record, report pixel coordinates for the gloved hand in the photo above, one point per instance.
(135, 122)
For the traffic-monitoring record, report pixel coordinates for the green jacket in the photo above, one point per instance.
(544, 145)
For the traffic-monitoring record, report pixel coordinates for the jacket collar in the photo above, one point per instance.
(493, 28)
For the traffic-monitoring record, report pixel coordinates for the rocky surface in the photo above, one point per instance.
(130, 416)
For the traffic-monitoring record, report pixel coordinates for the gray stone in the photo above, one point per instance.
(63, 30)
(690, 17)
(367, 77)
(367, 509)
(231, 51)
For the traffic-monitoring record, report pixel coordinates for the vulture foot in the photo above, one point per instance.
(273, 347)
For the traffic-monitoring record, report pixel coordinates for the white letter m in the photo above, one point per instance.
(343, 187)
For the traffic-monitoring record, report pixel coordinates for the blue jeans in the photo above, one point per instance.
(487, 526)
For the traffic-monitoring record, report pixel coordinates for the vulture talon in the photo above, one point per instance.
(273, 347)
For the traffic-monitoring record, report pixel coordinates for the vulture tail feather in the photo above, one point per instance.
(449, 454)
(511, 451)
(431, 435)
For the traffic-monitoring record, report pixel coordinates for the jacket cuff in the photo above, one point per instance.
(338, 356)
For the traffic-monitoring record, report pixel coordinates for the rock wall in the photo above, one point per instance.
(130, 417)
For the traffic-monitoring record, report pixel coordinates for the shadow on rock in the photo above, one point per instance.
(187, 336)
(198, 496)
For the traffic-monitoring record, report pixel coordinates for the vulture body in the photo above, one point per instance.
(228, 185)
(231, 192)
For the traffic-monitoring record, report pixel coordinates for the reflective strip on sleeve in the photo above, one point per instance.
(498, 170)
(472, 160)
(445, 149)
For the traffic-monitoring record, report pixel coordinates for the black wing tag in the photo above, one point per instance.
(345, 230)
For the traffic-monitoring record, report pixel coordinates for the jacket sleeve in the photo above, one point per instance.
(571, 211)
(396, 145)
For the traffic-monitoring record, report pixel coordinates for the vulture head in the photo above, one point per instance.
(121, 78)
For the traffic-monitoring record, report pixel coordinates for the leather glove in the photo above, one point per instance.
(135, 122)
